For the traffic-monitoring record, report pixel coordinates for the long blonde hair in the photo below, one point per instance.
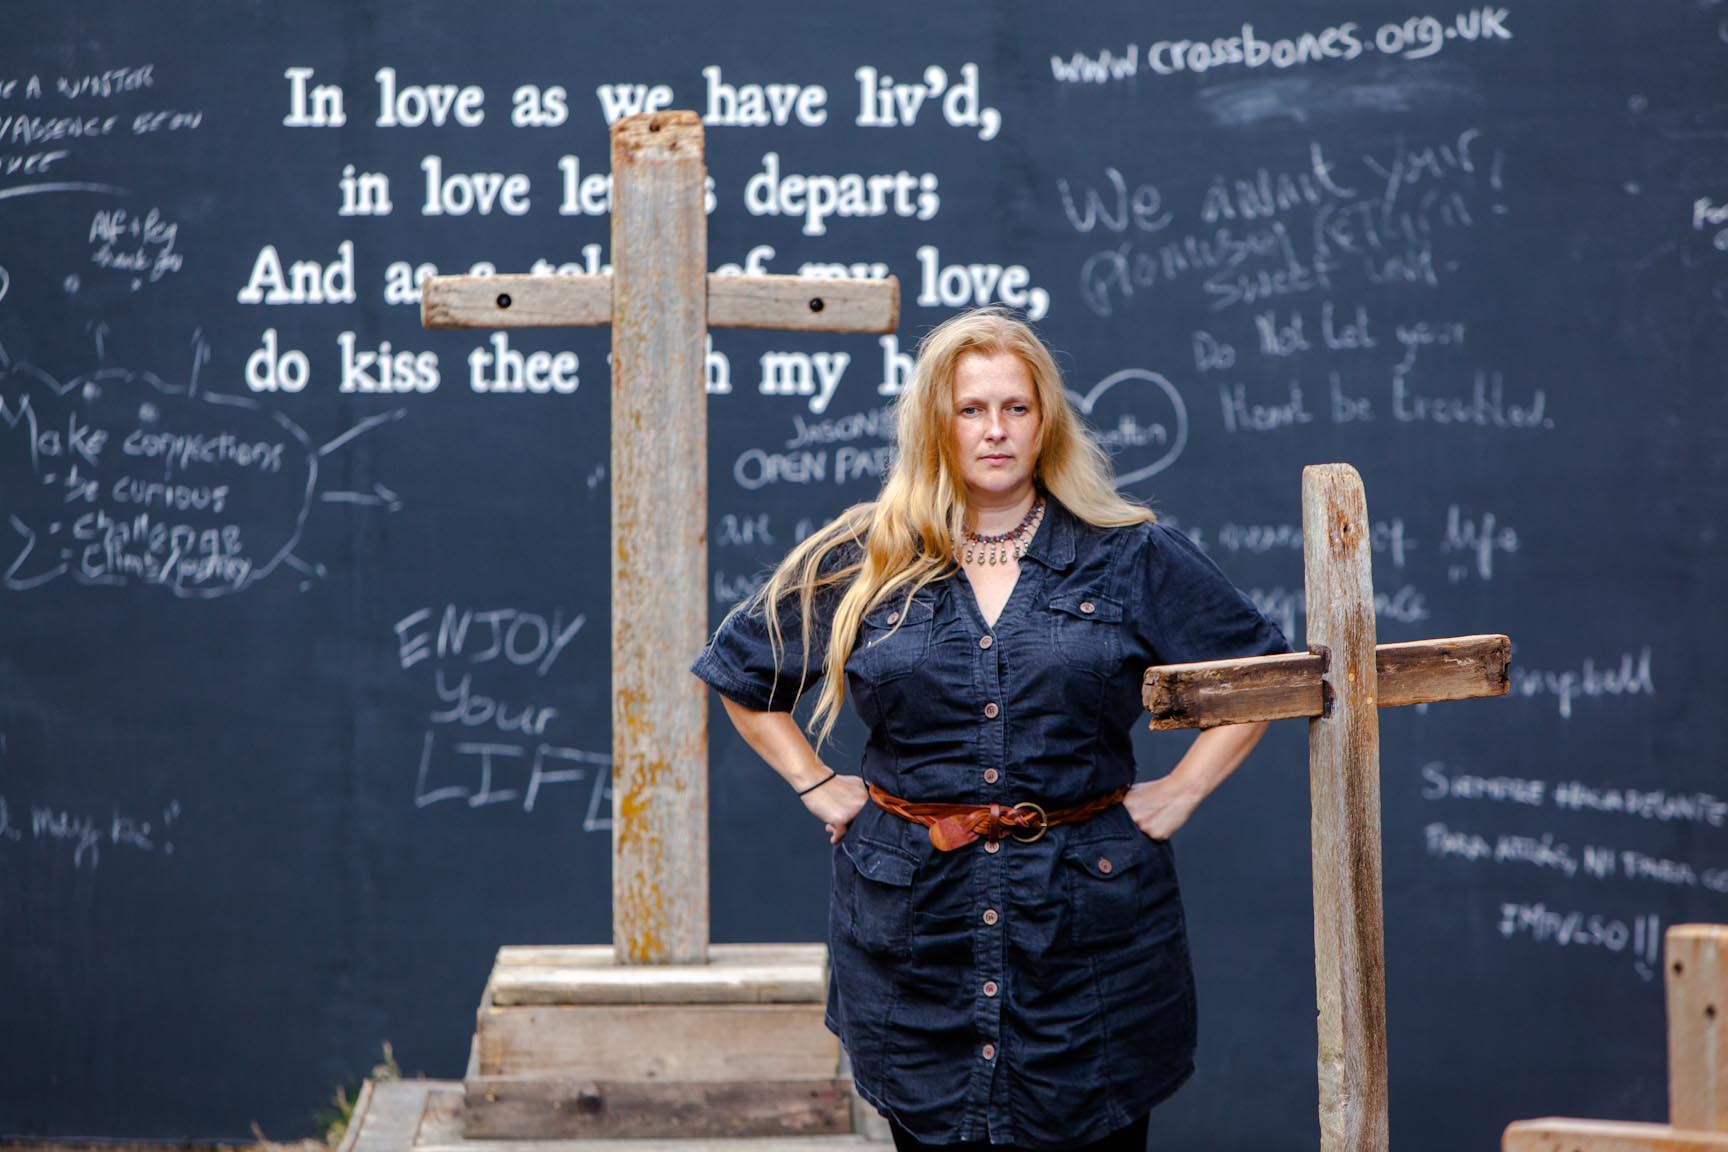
(906, 536)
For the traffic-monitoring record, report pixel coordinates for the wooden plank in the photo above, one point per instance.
(1697, 980)
(386, 1115)
(440, 1130)
(515, 301)
(789, 978)
(602, 955)
(532, 1109)
(662, 1042)
(680, 984)
(803, 303)
(1558, 1135)
(659, 483)
(1455, 668)
(1210, 693)
(1344, 782)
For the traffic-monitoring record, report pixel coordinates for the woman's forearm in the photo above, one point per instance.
(1215, 754)
(775, 736)
(777, 739)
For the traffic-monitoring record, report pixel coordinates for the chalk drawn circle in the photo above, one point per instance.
(1174, 436)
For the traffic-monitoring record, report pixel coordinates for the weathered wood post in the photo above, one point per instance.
(659, 484)
(1344, 783)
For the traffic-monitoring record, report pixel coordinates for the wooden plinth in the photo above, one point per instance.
(572, 1045)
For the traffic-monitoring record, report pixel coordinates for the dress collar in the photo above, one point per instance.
(1053, 544)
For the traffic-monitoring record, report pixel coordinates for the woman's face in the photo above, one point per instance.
(995, 426)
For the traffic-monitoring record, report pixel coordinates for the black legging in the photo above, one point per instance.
(1129, 1139)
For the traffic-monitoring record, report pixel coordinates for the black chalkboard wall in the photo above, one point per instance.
(303, 667)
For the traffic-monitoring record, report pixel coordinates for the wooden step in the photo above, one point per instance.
(661, 1042)
(570, 1044)
(734, 974)
(529, 1107)
(426, 1116)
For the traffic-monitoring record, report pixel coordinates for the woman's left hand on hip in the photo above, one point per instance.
(1160, 807)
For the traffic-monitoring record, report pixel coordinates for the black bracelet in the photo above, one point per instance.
(819, 783)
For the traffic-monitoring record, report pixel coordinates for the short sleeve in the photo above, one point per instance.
(738, 661)
(1192, 611)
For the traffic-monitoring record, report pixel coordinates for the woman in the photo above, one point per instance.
(1009, 960)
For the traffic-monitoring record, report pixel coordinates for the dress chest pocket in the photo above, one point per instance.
(1085, 630)
(895, 638)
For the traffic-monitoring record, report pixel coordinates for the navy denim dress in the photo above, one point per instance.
(1024, 993)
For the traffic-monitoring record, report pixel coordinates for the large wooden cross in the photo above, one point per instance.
(1696, 967)
(1340, 684)
(660, 300)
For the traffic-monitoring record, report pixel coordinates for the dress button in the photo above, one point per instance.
(992, 846)
(990, 710)
(1104, 865)
(893, 617)
(988, 1052)
(1088, 607)
(989, 987)
(991, 775)
(985, 641)
(990, 916)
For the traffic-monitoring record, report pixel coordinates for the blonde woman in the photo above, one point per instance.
(1010, 965)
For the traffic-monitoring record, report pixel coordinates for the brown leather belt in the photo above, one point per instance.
(957, 825)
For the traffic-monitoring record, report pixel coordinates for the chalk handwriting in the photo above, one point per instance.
(85, 834)
(1641, 939)
(475, 774)
(1414, 38)
(507, 635)
(1628, 676)
(136, 480)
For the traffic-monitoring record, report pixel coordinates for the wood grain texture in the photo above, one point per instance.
(802, 303)
(1344, 782)
(664, 1042)
(523, 1108)
(1696, 956)
(659, 483)
(1210, 693)
(515, 301)
(440, 1130)
(1558, 1135)
(387, 1114)
(734, 974)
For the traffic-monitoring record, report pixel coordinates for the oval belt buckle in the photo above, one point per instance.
(1043, 817)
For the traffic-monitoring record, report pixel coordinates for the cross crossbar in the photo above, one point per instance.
(798, 303)
(1210, 693)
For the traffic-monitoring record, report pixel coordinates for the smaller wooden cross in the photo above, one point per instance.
(1340, 684)
(1697, 979)
(660, 300)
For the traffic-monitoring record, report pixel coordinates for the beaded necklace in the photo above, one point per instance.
(996, 549)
